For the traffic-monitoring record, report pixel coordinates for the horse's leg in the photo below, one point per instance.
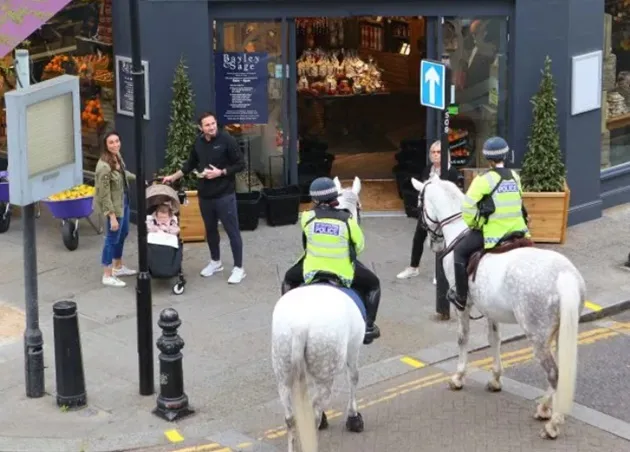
(285, 398)
(544, 410)
(494, 339)
(354, 420)
(323, 390)
(463, 331)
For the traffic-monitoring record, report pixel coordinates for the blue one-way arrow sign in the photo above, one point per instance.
(433, 84)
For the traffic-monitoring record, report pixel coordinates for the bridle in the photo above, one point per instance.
(435, 233)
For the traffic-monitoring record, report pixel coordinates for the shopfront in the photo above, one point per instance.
(343, 77)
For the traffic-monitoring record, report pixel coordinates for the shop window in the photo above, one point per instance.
(76, 41)
(263, 141)
(615, 147)
(476, 50)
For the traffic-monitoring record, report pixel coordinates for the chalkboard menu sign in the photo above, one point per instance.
(241, 87)
(124, 87)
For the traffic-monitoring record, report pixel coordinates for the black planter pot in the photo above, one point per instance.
(410, 199)
(403, 174)
(248, 210)
(282, 205)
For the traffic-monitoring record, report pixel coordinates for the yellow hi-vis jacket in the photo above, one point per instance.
(506, 194)
(332, 241)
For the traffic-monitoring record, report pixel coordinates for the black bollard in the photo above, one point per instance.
(68, 360)
(172, 402)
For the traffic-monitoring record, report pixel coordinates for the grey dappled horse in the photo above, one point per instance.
(317, 332)
(541, 290)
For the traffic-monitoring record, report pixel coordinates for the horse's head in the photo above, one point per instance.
(439, 203)
(349, 197)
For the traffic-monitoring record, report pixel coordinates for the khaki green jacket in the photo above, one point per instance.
(109, 189)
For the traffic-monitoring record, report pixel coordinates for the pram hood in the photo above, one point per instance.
(160, 194)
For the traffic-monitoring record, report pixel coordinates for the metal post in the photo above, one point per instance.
(172, 402)
(33, 339)
(68, 358)
(442, 307)
(144, 306)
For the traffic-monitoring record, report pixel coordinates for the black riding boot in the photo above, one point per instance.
(458, 294)
(372, 300)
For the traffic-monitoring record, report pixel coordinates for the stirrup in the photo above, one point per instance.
(452, 297)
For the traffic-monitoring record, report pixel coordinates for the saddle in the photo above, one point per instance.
(507, 243)
(323, 277)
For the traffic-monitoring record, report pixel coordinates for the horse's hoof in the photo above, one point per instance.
(323, 424)
(542, 414)
(455, 386)
(549, 431)
(494, 386)
(355, 423)
(442, 317)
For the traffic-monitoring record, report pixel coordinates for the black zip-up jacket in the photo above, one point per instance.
(222, 152)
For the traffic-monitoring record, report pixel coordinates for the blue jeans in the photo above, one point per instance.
(115, 240)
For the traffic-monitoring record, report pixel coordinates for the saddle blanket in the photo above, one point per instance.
(354, 296)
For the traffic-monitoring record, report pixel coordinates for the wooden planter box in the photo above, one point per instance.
(190, 221)
(548, 215)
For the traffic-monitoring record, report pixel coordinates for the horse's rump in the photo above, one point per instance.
(511, 242)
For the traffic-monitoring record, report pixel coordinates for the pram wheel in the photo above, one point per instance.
(179, 288)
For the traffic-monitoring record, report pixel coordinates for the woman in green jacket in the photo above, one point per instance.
(111, 199)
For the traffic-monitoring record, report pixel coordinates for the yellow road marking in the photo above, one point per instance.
(174, 436)
(415, 382)
(244, 445)
(212, 447)
(592, 306)
(412, 362)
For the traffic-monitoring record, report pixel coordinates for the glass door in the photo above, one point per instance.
(251, 80)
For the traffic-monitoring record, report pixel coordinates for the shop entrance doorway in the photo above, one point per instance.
(358, 91)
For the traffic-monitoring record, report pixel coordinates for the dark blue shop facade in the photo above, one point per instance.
(520, 33)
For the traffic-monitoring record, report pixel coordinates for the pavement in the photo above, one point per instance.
(226, 328)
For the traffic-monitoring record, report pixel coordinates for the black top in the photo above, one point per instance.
(453, 175)
(222, 152)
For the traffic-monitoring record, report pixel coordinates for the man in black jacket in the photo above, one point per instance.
(217, 158)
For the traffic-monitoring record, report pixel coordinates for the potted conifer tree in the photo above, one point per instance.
(543, 174)
(182, 132)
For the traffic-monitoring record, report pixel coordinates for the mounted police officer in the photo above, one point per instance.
(332, 240)
(493, 210)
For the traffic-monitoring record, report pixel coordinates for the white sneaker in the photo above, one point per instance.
(212, 268)
(112, 281)
(237, 275)
(407, 273)
(123, 271)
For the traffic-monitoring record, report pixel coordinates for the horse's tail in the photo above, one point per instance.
(303, 411)
(568, 289)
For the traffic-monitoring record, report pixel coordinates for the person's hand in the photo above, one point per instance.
(113, 224)
(168, 179)
(212, 172)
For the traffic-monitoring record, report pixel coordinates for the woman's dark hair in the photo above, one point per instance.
(107, 156)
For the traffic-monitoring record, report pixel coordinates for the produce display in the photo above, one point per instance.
(92, 115)
(83, 66)
(458, 147)
(337, 73)
(77, 192)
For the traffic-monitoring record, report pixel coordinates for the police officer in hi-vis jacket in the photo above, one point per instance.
(492, 209)
(332, 240)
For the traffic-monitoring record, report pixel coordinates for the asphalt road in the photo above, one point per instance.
(603, 369)
(417, 412)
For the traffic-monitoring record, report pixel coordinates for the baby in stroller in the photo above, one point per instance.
(163, 220)
(165, 253)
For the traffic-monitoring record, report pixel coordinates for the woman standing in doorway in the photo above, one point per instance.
(420, 235)
(112, 200)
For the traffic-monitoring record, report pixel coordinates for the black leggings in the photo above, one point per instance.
(417, 247)
(364, 281)
(467, 246)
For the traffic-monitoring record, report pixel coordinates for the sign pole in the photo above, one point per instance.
(144, 305)
(33, 338)
(442, 306)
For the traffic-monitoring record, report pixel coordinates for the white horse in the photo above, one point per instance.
(317, 332)
(541, 290)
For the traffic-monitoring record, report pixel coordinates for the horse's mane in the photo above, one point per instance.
(450, 191)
